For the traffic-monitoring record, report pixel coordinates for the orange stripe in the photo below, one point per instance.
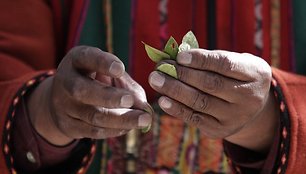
(266, 31)
(275, 33)
(171, 132)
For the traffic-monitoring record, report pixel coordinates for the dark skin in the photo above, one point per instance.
(225, 94)
(83, 98)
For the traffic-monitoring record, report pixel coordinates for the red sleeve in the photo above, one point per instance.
(27, 45)
(31, 151)
(292, 153)
(243, 160)
(78, 159)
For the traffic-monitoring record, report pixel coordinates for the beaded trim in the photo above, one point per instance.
(283, 151)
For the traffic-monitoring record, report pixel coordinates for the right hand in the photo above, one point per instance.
(76, 105)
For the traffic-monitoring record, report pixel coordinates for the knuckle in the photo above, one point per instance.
(194, 119)
(225, 63)
(102, 116)
(201, 102)
(103, 111)
(91, 117)
(77, 52)
(182, 111)
(82, 51)
(183, 74)
(213, 83)
(188, 118)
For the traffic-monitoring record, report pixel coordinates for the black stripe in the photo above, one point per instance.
(211, 24)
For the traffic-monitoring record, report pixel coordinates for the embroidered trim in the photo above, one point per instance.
(284, 147)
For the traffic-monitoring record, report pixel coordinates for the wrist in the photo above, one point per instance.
(39, 112)
(258, 134)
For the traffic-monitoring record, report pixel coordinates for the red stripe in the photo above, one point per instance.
(266, 53)
(58, 26)
(75, 17)
(200, 22)
(146, 28)
(81, 22)
(244, 26)
(285, 62)
(179, 18)
(224, 26)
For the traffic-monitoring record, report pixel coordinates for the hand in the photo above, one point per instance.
(224, 94)
(83, 98)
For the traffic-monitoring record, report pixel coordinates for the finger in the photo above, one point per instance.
(92, 92)
(234, 65)
(126, 82)
(215, 84)
(79, 129)
(188, 96)
(91, 59)
(140, 102)
(111, 118)
(107, 80)
(208, 125)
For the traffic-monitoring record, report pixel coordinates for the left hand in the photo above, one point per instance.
(224, 94)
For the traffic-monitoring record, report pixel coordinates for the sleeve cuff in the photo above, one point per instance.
(23, 145)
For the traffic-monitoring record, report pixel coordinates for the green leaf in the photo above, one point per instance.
(171, 48)
(146, 129)
(149, 110)
(190, 39)
(154, 54)
(168, 69)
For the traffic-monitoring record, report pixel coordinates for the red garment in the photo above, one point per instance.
(28, 144)
(28, 46)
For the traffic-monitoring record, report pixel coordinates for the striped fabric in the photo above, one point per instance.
(271, 29)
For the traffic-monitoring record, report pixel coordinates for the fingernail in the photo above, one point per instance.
(165, 103)
(157, 80)
(184, 58)
(126, 101)
(144, 120)
(116, 68)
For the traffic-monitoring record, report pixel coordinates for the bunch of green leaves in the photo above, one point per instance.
(170, 51)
